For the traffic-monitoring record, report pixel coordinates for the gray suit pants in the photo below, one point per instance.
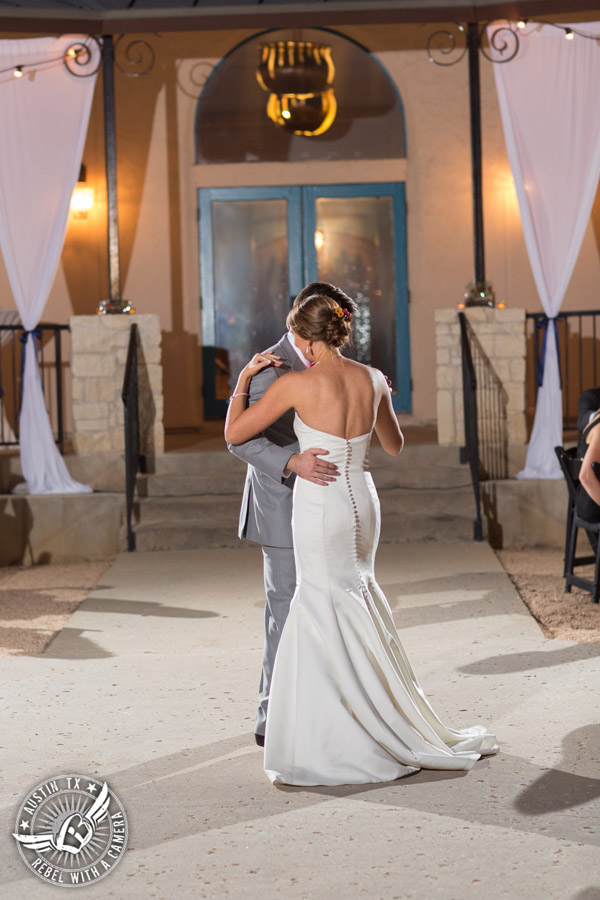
(280, 584)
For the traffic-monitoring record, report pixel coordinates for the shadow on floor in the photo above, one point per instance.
(556, 789)
(143, 608)
(222, 784)
(449, 611)
(72, 643)
(532, 659)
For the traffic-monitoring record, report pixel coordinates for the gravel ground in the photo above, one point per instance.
(37, 602)
(537, 575)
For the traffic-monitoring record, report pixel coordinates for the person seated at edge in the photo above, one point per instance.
(345, 705)
(587, 499)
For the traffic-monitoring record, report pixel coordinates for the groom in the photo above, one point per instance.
(266, 514)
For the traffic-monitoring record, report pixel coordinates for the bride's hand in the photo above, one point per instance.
(261, 361)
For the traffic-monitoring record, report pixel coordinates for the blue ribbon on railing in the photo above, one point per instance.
(23, 338)
(544, 322)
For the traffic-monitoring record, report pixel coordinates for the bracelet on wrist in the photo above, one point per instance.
(239, 394)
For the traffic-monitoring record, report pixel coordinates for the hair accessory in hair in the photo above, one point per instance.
(342, 313)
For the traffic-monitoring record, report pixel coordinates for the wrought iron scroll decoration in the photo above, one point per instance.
(500, 40)
(196, 77)
(505, 39)
(83, 59)
(446, 42)
(138, 55)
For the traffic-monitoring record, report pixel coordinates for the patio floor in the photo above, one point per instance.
(152, 687)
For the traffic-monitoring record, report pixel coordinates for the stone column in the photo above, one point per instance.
(98, 354)
(501, 333)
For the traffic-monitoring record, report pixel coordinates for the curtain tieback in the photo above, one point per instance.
(544, 322)
(36, 333)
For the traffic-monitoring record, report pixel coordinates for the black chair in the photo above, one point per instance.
(570, 465)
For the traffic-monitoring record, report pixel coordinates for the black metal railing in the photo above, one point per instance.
(134, 461)
(578, 336)
(485, 420)
(11, 366)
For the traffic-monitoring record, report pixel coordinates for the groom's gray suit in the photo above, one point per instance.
(266, 513)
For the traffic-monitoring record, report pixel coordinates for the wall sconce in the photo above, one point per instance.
(82, 199)
(319, 239)
(298, 76)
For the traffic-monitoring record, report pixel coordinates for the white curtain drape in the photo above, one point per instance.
(44, 117)
(550, 107)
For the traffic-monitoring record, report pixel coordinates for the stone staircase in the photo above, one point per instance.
(192, 500)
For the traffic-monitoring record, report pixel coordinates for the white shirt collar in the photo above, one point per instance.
(305, 362)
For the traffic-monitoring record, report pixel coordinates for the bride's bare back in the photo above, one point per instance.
(346, 399)
(339, 396)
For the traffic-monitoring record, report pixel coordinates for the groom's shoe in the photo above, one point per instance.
(260, 739)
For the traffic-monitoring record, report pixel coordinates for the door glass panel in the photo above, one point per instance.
(355, 250)
(250, 259)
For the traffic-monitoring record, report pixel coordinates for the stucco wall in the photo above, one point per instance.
(158, 204)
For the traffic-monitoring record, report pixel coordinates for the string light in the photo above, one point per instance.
(568, 32)
(71, 52)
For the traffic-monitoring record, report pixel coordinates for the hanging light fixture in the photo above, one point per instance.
(298, 76)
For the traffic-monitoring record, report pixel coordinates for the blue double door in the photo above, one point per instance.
(260, 246)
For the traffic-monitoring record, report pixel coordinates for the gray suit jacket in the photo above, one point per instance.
(266, 513)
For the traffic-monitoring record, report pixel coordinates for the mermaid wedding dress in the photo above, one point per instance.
(345, 706)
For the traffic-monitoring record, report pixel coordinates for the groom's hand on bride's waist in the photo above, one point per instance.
(311, 467)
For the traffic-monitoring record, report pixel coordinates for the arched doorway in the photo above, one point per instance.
(260, 244)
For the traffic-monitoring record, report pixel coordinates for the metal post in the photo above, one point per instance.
(475, 101)
(114, 304)
(114, 274)
(59, 394)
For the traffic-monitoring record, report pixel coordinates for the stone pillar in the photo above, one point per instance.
(98, 354)
(501, 333)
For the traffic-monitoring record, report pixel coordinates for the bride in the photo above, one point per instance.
(345, 705)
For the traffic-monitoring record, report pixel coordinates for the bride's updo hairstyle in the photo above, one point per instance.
(320, 318)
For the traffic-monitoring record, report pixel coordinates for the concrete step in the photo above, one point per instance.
(193, 534)
(171, 523)
(198, 461)
(196, 474)
(207, 508)
(193, 498)
(184, 535)
(185, 485)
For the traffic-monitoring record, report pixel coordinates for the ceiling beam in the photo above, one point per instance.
(282, 15)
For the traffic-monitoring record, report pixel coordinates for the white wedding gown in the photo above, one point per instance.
(345, 706)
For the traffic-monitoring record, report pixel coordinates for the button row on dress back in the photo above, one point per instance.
(356, 521)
